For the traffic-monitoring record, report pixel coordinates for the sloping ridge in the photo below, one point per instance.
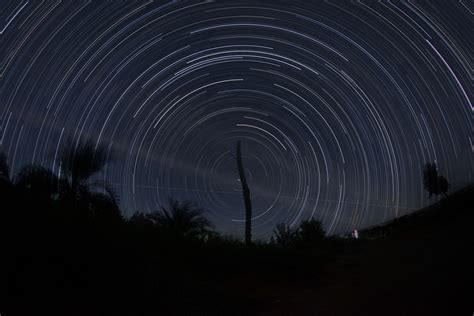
(419, 264)
(435, 216)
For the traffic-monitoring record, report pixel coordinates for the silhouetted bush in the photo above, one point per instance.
(443, 185)
(310, 233)
(283, 235)
(38, 182)
(432, 182)
(177, 220)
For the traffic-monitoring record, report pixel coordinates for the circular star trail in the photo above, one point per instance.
(338, 104)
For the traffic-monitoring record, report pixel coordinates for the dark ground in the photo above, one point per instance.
(424, 266)
(417, 265)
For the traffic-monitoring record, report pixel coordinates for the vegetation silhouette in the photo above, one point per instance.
(284, 235)
(67, 246)
(181, 219)
(432, 182)
(79, 163)
(70, 241)
(310, 233)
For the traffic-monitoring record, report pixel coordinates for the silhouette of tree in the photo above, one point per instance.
(283, 235)
(311, 232)
(430, 178)
(103, 207)
(79, 163)
(184, 218)
(308, 234)
(246, 193)
(142, 221)
(432, 182)
(36, 191)
(443, 185)
(85, 201)
(38, 182)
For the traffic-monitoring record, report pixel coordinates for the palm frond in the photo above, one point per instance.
(107, 188)
(185, 217)
(81, 162)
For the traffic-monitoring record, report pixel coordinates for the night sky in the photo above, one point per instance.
(338, 104)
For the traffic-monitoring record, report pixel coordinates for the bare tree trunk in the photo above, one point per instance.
(246, 192)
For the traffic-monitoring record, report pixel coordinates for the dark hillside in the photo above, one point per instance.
(435, 215)
(423, 266)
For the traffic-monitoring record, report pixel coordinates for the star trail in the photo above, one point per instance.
(338, 104)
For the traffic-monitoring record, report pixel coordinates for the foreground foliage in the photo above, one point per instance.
(66, 249)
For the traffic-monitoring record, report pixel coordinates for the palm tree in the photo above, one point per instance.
(430, 178)
(185, 218)
(78, 165)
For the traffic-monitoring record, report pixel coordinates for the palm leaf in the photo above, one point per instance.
(82, 161)
(107, 187)
(185, 217)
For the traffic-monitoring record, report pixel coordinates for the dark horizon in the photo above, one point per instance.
(338, 105)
